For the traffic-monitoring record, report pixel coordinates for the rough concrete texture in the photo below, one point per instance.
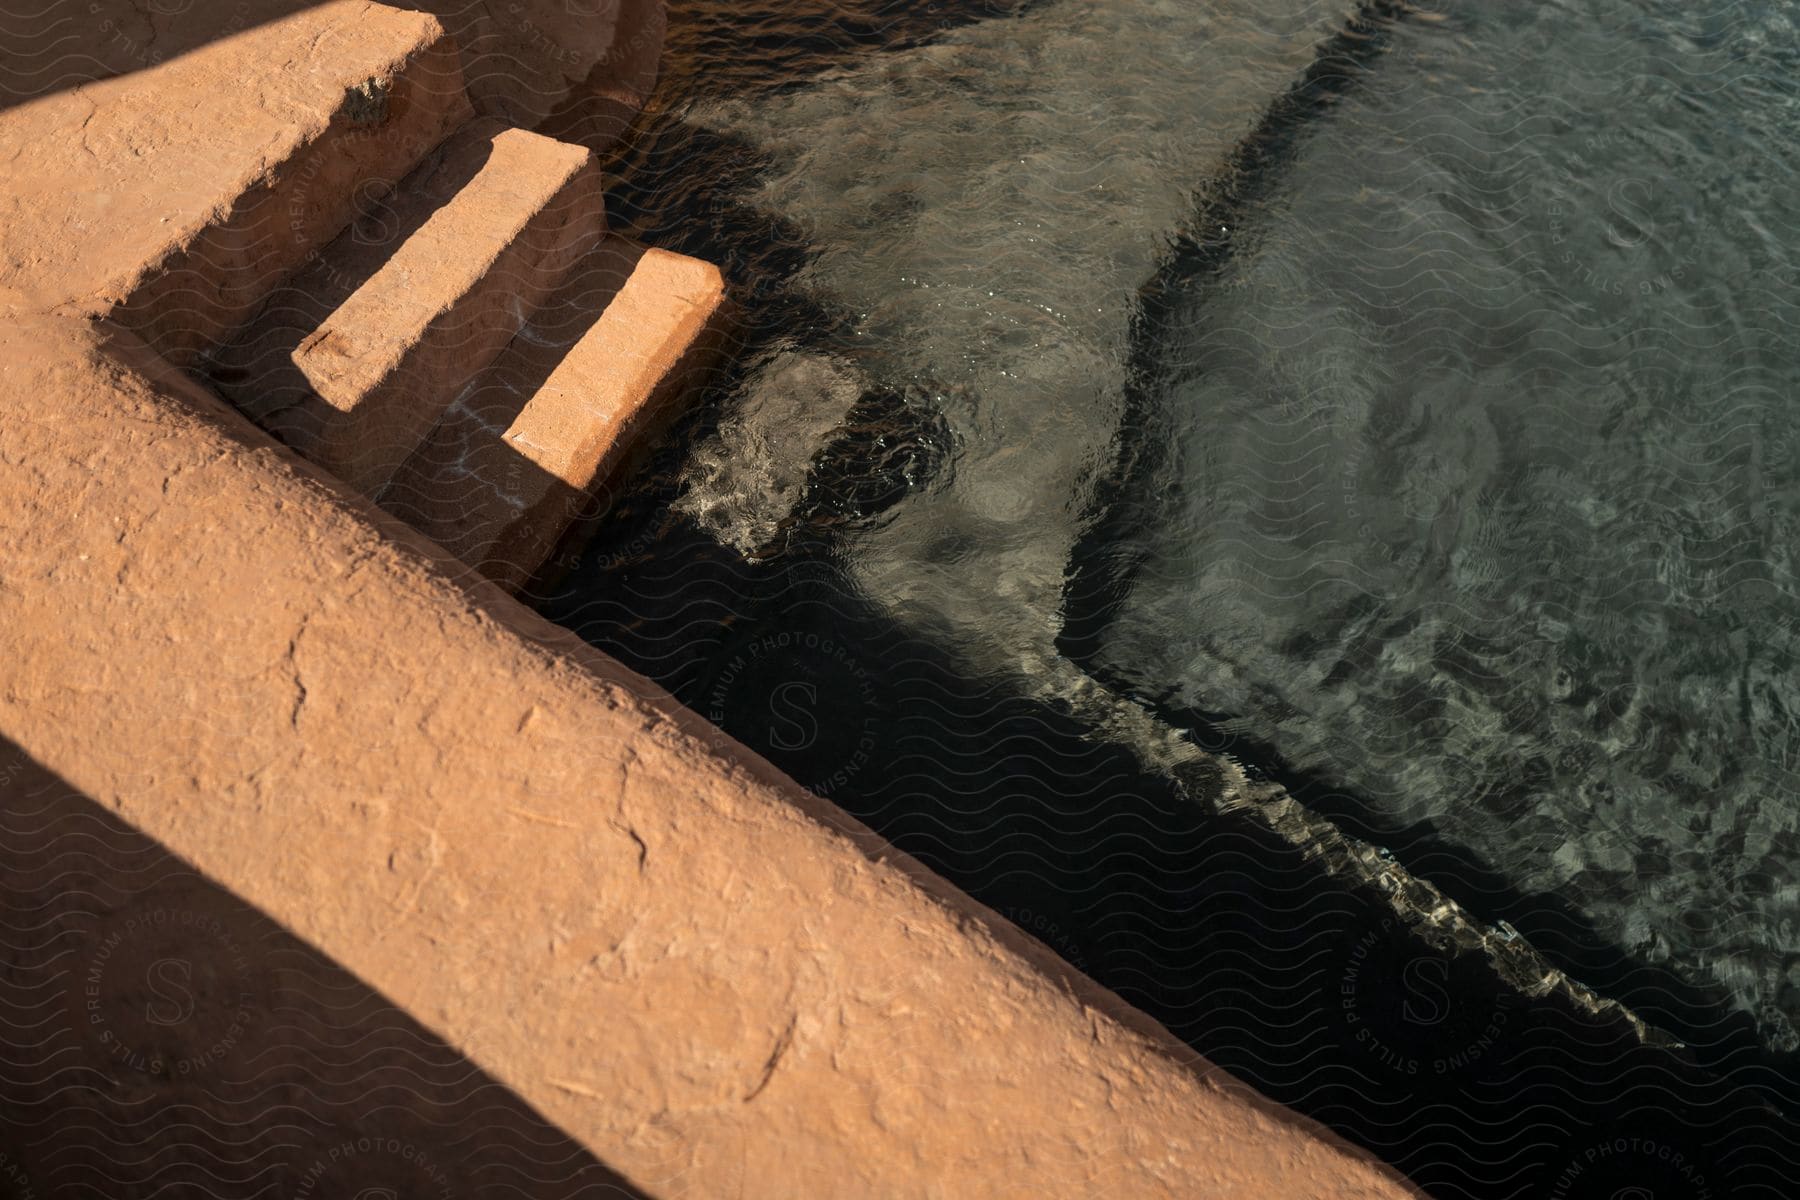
(711, 979)
(165, 1039)
(521, 58)
(353, 360)
(176, 198)
(597, 374)
(181, 159)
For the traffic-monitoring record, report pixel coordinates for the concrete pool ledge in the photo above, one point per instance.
(715, 981)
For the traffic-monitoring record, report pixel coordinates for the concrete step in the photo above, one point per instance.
(205, 182)
(533, 446)
(353, 360)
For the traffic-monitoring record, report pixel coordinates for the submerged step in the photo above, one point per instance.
(353, 360)
(525, 451)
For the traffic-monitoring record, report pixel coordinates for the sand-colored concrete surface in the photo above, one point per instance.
(353, 360)
(667, 960)
(712, 980)
(165, 1039)
(521, 58)
(169, 164)
(599, 373)
(175, 198)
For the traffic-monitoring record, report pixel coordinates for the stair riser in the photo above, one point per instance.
(213, 284)
(540, 543)
(518, 461)
(365, 443)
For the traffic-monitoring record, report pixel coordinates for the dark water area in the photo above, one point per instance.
(1481, 492)
(913, 524)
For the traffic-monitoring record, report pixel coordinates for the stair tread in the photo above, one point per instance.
(117, 173)
(354, 359)
(173, 197)
(518, 456)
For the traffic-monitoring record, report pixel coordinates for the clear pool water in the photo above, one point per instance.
(1482, 494)
(1399, 396)
(1476, 483)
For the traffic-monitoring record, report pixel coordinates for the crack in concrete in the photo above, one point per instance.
(782, 1043)
(643, 849)
(293, 662)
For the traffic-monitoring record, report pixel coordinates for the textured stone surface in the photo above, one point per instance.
(354, 360)
(521, 57)
(177, 197)
(164, 1039)
(715, 981)
(597, 373)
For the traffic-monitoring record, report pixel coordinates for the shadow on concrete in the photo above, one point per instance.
(67, 45)
(1239, 941)
(159, 1036)
(508, 51)
(478, 492)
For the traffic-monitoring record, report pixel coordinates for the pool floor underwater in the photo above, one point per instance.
(1324, 990)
